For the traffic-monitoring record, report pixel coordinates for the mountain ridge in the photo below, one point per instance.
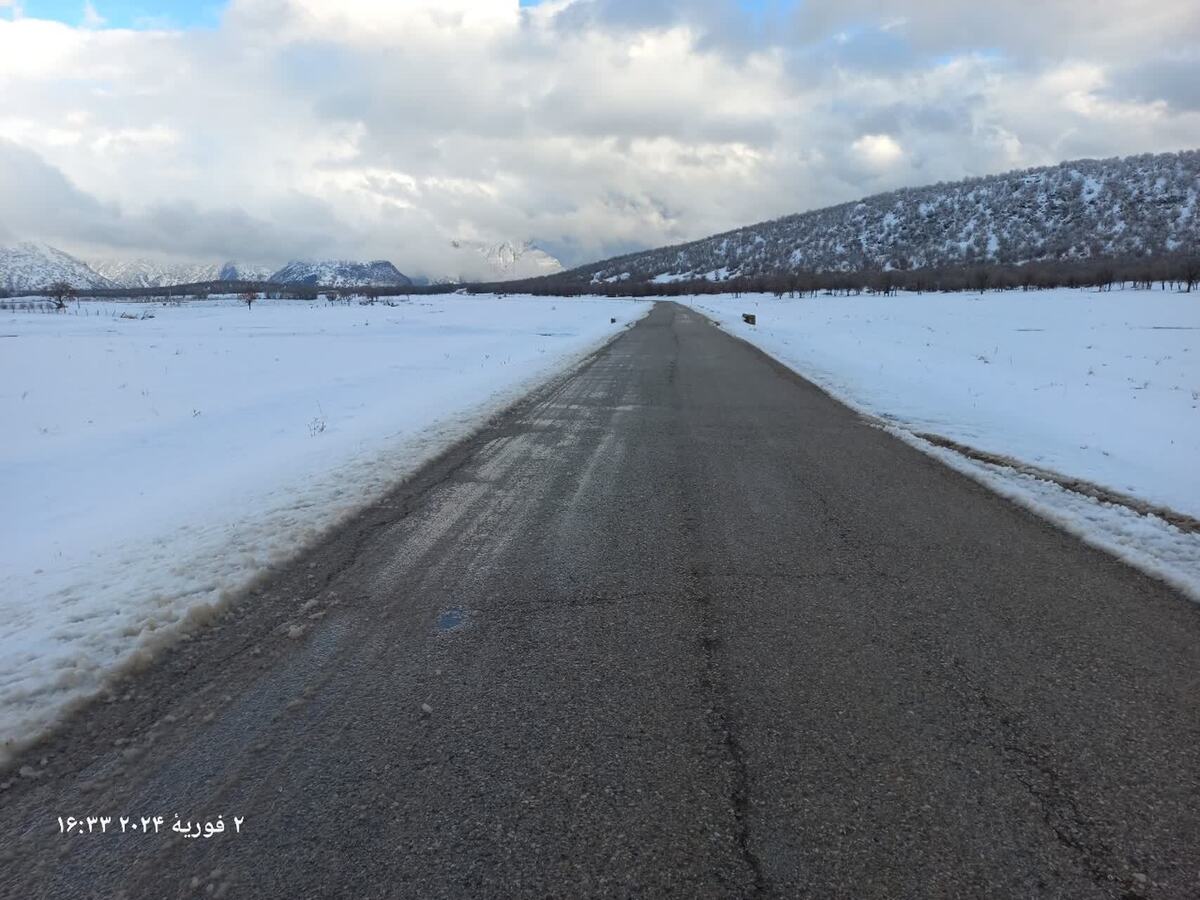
(1077, 210)
(513, 261)
(148, 273)
(33, 266)
(341, 273)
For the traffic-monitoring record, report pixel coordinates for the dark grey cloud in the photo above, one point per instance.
(38, 198)
(40, 202)
(573, 111)
(1172, 78)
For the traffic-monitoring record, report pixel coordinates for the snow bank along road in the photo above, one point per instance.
(157, 458)
(1052, 387)
(678, 624)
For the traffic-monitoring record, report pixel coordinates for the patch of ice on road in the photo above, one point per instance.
(151, 467)
(1098, 386)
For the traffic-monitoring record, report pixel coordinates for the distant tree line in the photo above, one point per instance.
(1180, 271)
(267, 289)
(1176, 272)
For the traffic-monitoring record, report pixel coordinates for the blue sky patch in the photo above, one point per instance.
(140, 14)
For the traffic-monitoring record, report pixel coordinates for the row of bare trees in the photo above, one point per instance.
(1178, 272)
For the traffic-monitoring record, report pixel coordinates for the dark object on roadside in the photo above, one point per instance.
(749, 318)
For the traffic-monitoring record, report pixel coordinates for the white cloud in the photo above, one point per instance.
(91, 18)
(373, 129)
(878, 150)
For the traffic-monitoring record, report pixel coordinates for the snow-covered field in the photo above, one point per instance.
(1103, 387)
(150, 466)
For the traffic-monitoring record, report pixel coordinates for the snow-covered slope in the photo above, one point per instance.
(341, 273)
(148, 273)
(507, 261)
(1076, 210)
(235, 271)
(143, 273)
(30, 266)
(480, 263)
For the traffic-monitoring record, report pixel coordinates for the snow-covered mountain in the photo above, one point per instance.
(507, 261)
(30, 266)
(147, 273)
(235, 271)
(1113, 208)
(342, 273)
(474, 261)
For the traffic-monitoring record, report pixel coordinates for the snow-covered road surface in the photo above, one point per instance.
(151, 466)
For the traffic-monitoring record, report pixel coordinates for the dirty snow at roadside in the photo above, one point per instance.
(150, 466)
(1103, 387)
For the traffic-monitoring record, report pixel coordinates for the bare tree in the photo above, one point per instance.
(1189, 272)
(248, 298)
(60, 292)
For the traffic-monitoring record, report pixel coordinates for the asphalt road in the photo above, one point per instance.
(676, 625)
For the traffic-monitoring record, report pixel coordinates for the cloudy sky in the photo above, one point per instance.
(264, 130)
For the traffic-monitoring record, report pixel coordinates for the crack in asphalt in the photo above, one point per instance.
(1059, 805)
(720, 723)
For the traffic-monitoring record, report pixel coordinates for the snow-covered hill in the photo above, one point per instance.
(341, 273)
(1137, 206)
(30, 266)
